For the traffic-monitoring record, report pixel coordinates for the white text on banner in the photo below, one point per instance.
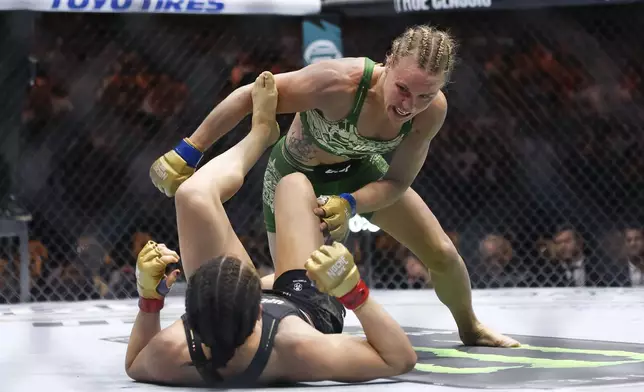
(236, 7)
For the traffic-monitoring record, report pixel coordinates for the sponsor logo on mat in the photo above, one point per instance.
(541, 362)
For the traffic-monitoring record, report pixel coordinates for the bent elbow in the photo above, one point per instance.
(410, 362)
(406, 362)
(134, 371)
(130, 373)
(398, 183)
(139, 375)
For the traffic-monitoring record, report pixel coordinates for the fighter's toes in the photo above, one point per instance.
(484, 336)
(265, 81)
(264, 96)
(504, 341)
(260, 81)
(269, 80)
(264, 92)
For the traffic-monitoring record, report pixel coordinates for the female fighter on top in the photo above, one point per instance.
(234, 332)
(351, 111)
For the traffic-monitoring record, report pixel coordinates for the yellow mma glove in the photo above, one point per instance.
(336, 211)
(151, 281)
(334, 272)
(175, 166)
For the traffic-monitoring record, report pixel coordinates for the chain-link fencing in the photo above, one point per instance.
(107, 94)
(536, 175)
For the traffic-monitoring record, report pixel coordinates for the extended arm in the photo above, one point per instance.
(298, 91)
(301, 90)
(406, 162)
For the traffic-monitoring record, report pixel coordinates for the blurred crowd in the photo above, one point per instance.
(536, 176)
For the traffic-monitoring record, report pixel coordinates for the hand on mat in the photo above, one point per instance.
(151, 280)
(264, 96)
(335, 212)
(333, 270)
(175, 166)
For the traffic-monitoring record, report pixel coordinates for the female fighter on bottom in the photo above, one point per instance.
(233, 331)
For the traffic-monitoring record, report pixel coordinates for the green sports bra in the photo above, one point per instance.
(341, 138)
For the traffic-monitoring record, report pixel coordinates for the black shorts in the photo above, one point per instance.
(326, 312)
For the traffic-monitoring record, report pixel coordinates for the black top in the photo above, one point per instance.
(274, 309)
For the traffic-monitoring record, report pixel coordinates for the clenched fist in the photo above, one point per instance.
(151, 280)
(335, 212)
(333, 270)
(174, 167)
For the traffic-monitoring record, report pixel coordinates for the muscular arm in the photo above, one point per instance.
(146, 326)
(386, 351)
(406, 162)
(151, 353)
(298, 91)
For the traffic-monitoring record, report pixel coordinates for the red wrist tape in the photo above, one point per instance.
(356, 297)
(148, 305)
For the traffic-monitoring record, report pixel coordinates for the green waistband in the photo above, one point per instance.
(323, 173)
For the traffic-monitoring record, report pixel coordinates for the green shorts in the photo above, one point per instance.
(333, 179)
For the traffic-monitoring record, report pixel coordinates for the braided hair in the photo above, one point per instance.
(222, 305)
(433, 49)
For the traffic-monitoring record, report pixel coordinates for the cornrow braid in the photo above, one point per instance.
(440, 51)
(222, 305)
(401, 45)
(424, 46)
(433, 49)
(410, 40)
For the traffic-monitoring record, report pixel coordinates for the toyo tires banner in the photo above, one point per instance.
(238, 7)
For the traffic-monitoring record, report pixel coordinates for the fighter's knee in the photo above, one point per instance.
(223, 186)
(443, 256)
(198, 195)
(190, 195)
(294, 179)
(295, 184)
(184, 192)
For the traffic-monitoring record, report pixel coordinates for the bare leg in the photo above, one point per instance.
(410, 222)
(204, 229)
(272, 245)
(297, 228)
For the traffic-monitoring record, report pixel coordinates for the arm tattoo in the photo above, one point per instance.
(301, 147)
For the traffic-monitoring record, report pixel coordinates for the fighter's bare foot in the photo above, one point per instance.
(264, 96)
(483, 336)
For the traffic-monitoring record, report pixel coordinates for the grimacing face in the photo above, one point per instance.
(409, 90)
